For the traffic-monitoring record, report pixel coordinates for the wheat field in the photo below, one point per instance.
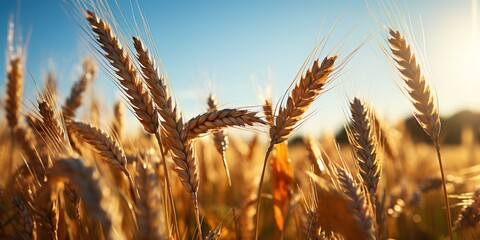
(227, 173)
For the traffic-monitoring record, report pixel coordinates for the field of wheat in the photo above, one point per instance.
(228, 173)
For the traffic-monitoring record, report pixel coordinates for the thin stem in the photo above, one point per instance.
(270, 148)
(225, 165)
(169, 189)
(197, 216)
(444, 185)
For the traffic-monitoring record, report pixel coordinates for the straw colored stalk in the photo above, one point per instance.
(310, 86)
(423, 101)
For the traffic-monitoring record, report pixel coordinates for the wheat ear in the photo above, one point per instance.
(14, 85)
(357, 199)
(53, 127)
(105, 145)
(364, 142)
(216, 120)
(220, 139)
(310, 86)
(303, 94)
(75, 98)
(14, 88)
(126, 73)
(173, 128)
(425, 105)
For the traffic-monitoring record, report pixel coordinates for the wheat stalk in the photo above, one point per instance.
(309, 87)
(425, 105)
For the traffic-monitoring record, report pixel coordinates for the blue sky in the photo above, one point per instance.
(235, 47)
